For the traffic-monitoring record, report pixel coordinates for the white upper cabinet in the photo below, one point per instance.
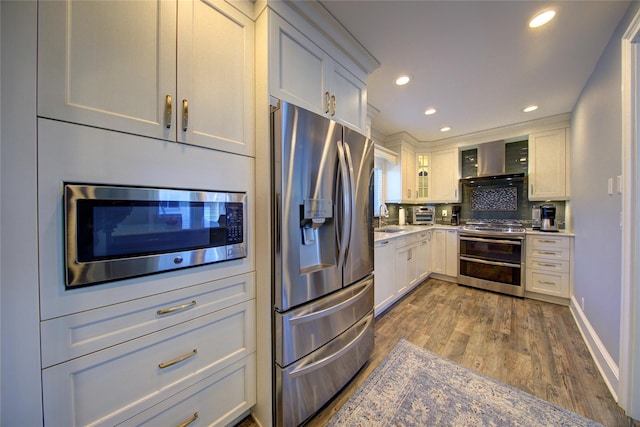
(445, 176)
(401, 177)
(422, 177)
(304, 74)
(151, 69)
(548, 165)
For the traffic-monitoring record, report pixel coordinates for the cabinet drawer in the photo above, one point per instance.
(549, 254)
(549, 242)
(72, 336)
(548, 283)
(217, 400)
(558, 266)
(111, 385)
(401, 242)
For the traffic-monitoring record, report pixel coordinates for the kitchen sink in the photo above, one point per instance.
(389, 230)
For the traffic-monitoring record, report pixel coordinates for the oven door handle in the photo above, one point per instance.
(483, 261)
(479, 239)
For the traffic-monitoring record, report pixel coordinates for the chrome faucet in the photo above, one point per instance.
(383, 212)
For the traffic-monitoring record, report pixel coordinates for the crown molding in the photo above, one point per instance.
(509, 133)
(325, 23)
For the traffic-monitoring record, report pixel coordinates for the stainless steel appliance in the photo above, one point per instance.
(455, 215)
(492, 256)
(323, 259)
(535, 217)
(113, 233)
(424, 215)
(548, 218)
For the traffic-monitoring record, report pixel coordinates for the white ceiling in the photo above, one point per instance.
(476, 62)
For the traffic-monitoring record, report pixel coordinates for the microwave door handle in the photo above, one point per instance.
(343, 239)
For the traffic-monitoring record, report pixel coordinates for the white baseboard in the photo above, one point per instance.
(605, 363)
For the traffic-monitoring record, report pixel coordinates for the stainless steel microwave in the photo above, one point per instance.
(113, 233)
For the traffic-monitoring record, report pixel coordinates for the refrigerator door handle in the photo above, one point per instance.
(303, 318)
(352, 193)
(343, 240)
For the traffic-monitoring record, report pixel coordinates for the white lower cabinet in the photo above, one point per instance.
(207, 350)
(385, 283)
(401, 263)
(423, 254)
(548, 267)
(445, 252)
(406, 266)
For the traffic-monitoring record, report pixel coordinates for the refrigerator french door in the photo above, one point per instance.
(323, 259)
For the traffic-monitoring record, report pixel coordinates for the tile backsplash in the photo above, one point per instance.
(495, 201)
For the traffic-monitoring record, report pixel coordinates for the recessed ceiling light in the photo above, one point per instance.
(403, 80)
(542, 18)
(430, 111)
(445, 129)
(530, 108)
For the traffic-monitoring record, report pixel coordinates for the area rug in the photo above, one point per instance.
(415, 387)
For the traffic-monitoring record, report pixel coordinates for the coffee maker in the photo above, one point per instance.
(455, 215)
(548, 218)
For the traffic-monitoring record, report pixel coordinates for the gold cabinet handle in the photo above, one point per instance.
(327, 99)
(543, 282)
(185, 423)
(178, 359)
(333, 103)
(168, 111)
(175, 308)
(185, 114)
(548, 253)
(547, 241)
(543, 264)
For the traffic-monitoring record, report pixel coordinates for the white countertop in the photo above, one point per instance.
(403, 230)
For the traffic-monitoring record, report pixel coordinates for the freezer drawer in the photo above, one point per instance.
(300, 331)
(304, 387)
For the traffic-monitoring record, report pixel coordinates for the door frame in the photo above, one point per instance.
(629, 384)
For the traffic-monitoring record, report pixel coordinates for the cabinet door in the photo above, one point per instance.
(296, 67)
(348, 97)
(422, 255)
(445, 176)
(408, 174)
(385, 277)
(422, 171)
(108, 64)
(438, 251)
(452, 253)
(547, 165)
(402, 271)
(215, 104)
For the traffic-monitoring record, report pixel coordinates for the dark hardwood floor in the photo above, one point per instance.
(532, 345)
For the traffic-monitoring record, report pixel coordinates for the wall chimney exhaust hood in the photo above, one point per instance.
(491, 165)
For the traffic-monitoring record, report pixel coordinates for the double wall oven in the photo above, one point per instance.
(492, 257)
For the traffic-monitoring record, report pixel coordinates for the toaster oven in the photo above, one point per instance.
(424, 215)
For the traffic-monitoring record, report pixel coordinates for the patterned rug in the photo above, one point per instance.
(415, 387)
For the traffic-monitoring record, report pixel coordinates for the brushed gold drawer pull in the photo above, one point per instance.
(327, 98)
(543, 264)
(185, 115)
(333, 103)
(168, 112)
(178, 359)
(548, 253)
(547, 241)
(175, 308)
(543, 282)
(185, 423)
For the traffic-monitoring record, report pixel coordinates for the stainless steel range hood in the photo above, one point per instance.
(491, 164)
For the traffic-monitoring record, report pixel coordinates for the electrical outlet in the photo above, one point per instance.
(444, 212)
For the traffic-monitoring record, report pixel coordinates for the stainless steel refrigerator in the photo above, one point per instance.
(323, 259)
